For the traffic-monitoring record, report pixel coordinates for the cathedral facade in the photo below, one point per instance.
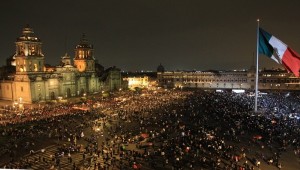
(34, 81)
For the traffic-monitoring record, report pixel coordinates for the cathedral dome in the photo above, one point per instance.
(84, 43)
(160, 68)
(28, 35)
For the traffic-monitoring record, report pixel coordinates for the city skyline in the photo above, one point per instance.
(139, 35)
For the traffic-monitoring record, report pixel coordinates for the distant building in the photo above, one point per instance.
(32, 80)
(160, 68)
(137, 82)
(142, 79)
(268, 80)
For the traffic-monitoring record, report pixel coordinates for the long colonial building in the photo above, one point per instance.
(268, 80)
(33, 81)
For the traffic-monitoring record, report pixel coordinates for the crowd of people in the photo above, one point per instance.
(167, 129)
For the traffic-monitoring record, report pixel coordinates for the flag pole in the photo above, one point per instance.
(256, 78)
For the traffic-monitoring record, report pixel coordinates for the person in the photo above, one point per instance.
(270, 161)
(279, 166)
(74, 166)
(257, 163)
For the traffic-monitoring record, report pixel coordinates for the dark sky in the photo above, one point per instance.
(141, 34)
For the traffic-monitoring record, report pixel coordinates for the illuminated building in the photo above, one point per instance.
(268, 80)
(206, 80)
(140, 82)
(34, 81)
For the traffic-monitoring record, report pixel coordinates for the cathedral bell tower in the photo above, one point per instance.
(29, 56)
(84, 59)
(65, 60)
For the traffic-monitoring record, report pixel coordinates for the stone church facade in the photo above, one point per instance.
(34, 81)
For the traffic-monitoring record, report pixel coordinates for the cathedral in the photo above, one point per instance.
(27, 79)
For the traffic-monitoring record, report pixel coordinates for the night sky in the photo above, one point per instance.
(140, 34)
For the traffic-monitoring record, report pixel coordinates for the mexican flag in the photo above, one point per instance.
(279, 52)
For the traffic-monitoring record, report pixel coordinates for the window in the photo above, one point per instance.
(32, 50)
(21, 88)
(35, 67)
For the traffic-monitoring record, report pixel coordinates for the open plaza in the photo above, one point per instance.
(162, 129)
